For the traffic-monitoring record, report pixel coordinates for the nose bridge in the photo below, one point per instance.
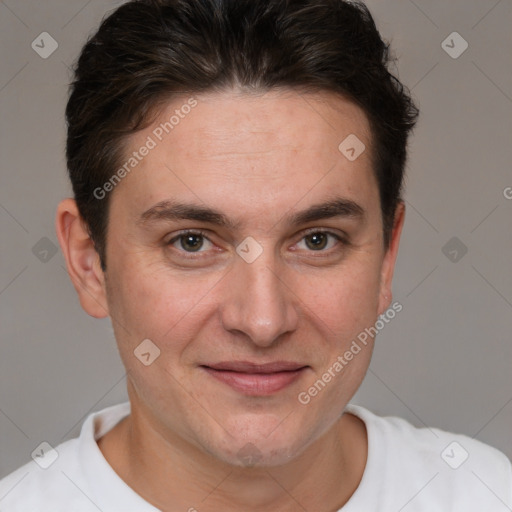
(259, 304)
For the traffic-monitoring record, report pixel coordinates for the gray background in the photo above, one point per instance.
(444, 361)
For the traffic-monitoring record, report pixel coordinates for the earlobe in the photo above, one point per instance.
(82, 259)
(388, 264)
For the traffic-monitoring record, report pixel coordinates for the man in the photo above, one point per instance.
(237, 171)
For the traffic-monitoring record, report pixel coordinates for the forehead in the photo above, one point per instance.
(239, 122)
(267, 148)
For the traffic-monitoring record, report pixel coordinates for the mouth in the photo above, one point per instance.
(256, 379)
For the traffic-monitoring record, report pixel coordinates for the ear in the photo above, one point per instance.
(82, 259)
(388, 264)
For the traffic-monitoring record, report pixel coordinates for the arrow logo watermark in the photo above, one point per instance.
(146, 352)
(454, 249)
(44, 455)
(44, 45)
(249, 455)
(455, 455)
(454, 45)
(351, 147)
(44, 250)
(249, 249)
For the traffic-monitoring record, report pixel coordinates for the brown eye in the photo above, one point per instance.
(191, 242)
(316, 241)
(321, 242)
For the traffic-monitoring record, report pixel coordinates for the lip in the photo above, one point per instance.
(254, 379)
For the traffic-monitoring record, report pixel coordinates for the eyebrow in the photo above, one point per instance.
(173, 210)
(338, 207)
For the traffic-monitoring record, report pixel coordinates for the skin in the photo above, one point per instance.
(256, 158)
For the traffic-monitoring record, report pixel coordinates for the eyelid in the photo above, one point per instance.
(185, 232)
(341, 240)
(328, 231)
(340, 236)
(190, 231)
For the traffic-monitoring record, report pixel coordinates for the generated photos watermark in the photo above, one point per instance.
(151, 143)
(305, 397)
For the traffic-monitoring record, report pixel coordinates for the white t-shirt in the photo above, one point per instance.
(408, 469)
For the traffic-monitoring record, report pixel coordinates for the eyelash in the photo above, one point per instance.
(182, 235)
(340, 242)
(311, 231)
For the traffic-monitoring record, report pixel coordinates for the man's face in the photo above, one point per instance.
(249, 312)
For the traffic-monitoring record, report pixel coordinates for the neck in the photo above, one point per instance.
(174, 475)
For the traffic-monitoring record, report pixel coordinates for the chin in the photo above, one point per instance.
(260, 442)
(256, 455)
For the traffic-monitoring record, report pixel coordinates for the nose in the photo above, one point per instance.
(259, 304)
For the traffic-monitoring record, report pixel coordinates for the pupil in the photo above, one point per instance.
(316, 241)
(192, 242)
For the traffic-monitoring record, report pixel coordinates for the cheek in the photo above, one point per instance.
(151, 302)
(345, 300)
(341, 312)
